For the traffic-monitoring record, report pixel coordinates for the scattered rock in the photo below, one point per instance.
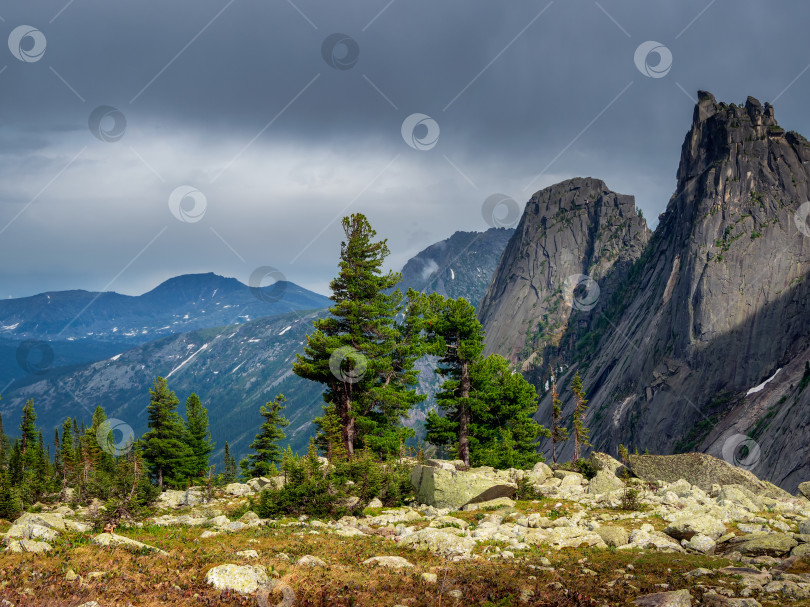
(605, 481)
(395, 562)
(375, 503)
(310, 561)
(27, 546)
(430, 578)
(603, 461)
(244, 579)
(678, 598)
(804, 489)
(439, 541)
(499, 502)
(804, 526)
(764, 544)
(248, 554)
(702, 543)
(453, 489)
(238, 489)
(113, 540)
(613, 536)
(687, 527)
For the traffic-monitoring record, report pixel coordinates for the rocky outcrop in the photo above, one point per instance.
(572, 248)
(244, 579)
(702, 346)
(445, 487)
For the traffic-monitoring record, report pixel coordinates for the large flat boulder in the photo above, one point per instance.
(446, 488)
(244, 579)
(112, 540)
(699, 469)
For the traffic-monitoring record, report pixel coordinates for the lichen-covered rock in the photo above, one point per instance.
(677, 598)
(113, 540)
(804, 526)
(613, 535)
(764, 544)
(687, 527)
(453, 489)
(27, 546)
(804, 489)
(394, 562)
(604, 482)
(311, 561)
(702, 543)
(244, 579)
(439, 541)
(603, 461)
(239, 489)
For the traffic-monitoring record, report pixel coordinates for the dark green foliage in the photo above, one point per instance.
(487, 408)
(266, 452)
(581, 432)
(559, 432)
(198, 438)
(164, 448)
(585, 468)
(526, 490)
(10, 506)
(314, 489)
(229, 465)
(361, 353)
(805, 377)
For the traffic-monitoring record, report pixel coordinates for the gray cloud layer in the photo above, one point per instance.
(235, 99)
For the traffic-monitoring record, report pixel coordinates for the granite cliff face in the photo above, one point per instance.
(674, 358)
(577, 228)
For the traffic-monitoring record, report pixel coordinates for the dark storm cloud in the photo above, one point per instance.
(235, 99)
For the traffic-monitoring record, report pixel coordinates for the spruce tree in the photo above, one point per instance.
(28, 436)
(459, 337)
(4, 445)
(581, 432)
(164, 448)
(67, 454)
(559, 433)
(198, 437)
(262, 462)
(229, 465)
(361, 353)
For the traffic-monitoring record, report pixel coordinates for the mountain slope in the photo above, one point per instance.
(459, 266)
(183, 303)
(577, 231)
(717, 304)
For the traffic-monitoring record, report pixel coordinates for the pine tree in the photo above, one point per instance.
(265, 446)
(362, 355)
(581, 432)
(453, 325)
(67, 454)
(28, 436)
(4, 445)
(198, 437)
(559, 432)
(229, 465)
(164, 449)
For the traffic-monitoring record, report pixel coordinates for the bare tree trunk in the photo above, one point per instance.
(346, 423)
(464, 416)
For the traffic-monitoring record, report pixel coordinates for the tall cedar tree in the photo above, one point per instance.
(164, 448)
(198, 437)
(265, 446)
(559, 433)
(370, 381)
(229, 465)
(454, 328)
(581, 433)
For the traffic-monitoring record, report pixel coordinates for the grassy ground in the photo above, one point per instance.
(584, 576)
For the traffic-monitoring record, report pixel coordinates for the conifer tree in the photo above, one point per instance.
(164, 448)
(265, 446)
(581, 432)
(4, 445)
(28, 437)
(67, 454)
(459, 337)
(361, 353)
(229, 465)
(559, 432)
(198, 437)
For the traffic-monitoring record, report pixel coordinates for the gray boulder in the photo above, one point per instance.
(804, 489)
(804, 526)
(444, 488)
(604, 482)
(439, 541)
(687, 527)
(678, 598)
(764, 544)
(27, 546)
(613, 535)
(603, 461)
(699, 469)
(244, 579)
(113, 540)
(394, 562)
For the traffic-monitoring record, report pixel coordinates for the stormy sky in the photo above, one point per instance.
(142, 140)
